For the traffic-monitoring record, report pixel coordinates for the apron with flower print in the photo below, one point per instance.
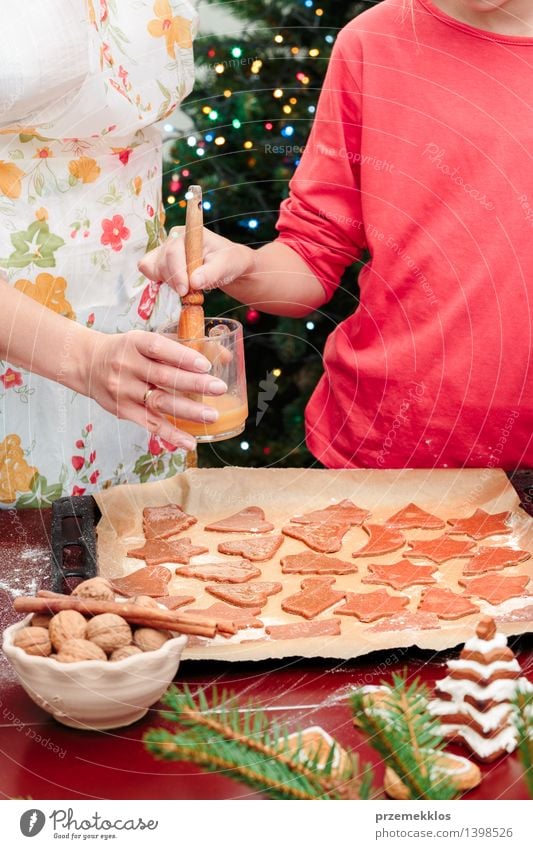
(82, 83)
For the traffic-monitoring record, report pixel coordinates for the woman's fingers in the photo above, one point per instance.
(176, 380)
(180, 407)
(157, 347)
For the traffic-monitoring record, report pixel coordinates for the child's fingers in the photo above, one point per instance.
(221, 267)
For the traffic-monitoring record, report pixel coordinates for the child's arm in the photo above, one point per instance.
(274, 278)
(115, 369)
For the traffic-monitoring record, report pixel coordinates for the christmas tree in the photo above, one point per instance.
(252, 109)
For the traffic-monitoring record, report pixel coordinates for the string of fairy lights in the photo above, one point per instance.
(223, 124)
(210, 141)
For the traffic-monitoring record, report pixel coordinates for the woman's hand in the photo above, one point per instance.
(224, 262)
(121, 368)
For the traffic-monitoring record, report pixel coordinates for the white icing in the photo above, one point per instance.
(488, 720)
(503, 689)
(459, 766)
(485, 747)
(485, 669)
(499, 641)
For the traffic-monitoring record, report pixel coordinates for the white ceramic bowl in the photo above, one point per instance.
(95, 694)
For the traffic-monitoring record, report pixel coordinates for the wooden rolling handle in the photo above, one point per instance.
(191, 324)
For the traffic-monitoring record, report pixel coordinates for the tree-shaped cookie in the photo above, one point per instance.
(473, 701)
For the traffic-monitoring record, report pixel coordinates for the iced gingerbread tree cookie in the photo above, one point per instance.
(473, 701)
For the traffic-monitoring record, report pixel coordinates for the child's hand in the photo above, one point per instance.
(224, 262)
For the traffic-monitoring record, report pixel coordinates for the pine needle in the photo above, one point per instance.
(523, 714)
(407, 737)
(216, 735)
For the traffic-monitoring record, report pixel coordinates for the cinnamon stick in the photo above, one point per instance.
(222, 626)
(134, 613)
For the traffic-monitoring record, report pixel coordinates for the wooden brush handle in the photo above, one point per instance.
(194, 240)
(191, 325)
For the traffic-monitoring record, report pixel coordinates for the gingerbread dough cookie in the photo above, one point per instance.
(440, 549)
(254, 594)
(316, 595)
(225, 614)
(368, 607)
(231, 573)
(250, 520)
(400, 575)
(408, 621)
(489, 559)
(299, 630)
(462, 773)
(413, 516)
(381, 540)
(174, 601)
(157, 551)
(343, 513)
(165, 521)
(253, 548)
(150, 580)
(496, 588)
(481, 524)
(307, 562)
(326, 538)
(446, 604)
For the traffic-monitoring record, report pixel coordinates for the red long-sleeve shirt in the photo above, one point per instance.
(422, 153)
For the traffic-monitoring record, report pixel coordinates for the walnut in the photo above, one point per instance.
(34, 640)
(109, 631)
(144, 601)
(41, 620)
(150, 639)
(74, 650)
(124, 652)
(98, 589)
(67, 625)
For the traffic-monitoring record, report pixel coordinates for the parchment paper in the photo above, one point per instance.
(212, 494)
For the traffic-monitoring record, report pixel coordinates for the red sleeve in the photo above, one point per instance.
(321, 218)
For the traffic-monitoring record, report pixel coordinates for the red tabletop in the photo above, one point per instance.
(45, 760)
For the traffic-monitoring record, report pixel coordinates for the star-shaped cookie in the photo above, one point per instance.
(399, 575)
(440, 549)
(368, 607)
(481, 524)
(413, 516)
(157, 551)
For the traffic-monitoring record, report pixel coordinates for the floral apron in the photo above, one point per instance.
(82, 83)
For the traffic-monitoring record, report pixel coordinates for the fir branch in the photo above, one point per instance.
(407, 737)
(216, 735)
(523, 713)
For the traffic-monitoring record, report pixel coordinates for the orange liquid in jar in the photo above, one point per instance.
(232, 415)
